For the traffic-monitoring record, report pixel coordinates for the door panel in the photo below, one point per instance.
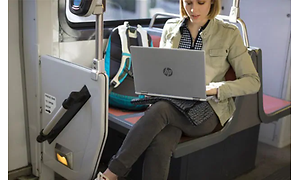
(79, 145)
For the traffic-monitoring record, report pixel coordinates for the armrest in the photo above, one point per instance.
(282, 108)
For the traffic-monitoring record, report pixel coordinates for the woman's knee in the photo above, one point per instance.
(167, 140)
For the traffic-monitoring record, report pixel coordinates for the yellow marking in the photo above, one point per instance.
(62, 159)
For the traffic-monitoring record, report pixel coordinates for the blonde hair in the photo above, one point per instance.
(214, 9)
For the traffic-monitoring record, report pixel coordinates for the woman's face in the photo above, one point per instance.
(197, 10)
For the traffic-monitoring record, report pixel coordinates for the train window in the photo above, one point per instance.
(127, 9)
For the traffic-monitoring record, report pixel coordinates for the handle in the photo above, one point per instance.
(161, 14)
(53, 121)
(64, 115)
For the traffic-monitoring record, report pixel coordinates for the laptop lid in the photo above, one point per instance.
(175, 73)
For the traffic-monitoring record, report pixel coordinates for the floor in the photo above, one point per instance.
(271, 164)
(269, 160)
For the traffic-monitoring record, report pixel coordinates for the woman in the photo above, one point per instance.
(158, 132)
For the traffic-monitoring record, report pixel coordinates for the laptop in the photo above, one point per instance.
(174, 73)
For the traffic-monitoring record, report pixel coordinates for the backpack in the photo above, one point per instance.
(118, 64)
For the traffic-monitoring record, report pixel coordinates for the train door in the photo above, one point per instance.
(68, 111)
(74, 117)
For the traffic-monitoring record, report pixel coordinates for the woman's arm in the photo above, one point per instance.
(247, 79)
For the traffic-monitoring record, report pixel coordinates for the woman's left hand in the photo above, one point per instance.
(211, 92)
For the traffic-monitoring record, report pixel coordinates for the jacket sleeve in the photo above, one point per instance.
(163, 38)
(247, 79)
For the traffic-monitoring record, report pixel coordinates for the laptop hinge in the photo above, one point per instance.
(196, 99)
(144, 93)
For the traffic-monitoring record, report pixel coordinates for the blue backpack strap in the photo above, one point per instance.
(126, 57)
(107, 54)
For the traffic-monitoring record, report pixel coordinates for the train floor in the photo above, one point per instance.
(271, 164)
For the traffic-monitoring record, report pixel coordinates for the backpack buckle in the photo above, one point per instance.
(132, 33)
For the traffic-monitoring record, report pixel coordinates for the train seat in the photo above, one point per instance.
(238, 138)
(271, 104)
(271, 108)
(221, 150)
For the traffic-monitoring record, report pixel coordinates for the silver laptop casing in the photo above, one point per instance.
(175, 73)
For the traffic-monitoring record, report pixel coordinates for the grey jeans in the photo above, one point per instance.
(157, 134)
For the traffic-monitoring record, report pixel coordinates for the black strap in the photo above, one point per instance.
(139, 39)
(111, 86)
(129, 72)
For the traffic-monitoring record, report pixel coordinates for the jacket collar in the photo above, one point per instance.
(184, 25)
(209, 28)
(175, 34)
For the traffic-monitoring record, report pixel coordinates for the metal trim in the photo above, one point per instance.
(23, 79)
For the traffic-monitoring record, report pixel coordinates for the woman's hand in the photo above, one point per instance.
(212, 92)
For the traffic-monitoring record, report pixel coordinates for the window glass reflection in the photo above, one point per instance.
(77, 2)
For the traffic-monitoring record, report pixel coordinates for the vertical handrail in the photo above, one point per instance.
(244, 31)
(236, 3)
(98, 62)
(234, 11)
(99, 35)
(96, 7)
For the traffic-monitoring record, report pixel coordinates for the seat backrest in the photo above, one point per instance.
(230, 75)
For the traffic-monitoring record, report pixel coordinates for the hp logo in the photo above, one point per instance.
(168, 71)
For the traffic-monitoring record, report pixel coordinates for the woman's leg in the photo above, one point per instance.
(147, 128)
(202, 129)
(158, 154)
(141, 135)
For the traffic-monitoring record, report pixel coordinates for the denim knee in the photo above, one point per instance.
(166, 143)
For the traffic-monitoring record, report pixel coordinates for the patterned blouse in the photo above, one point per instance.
(186, 38)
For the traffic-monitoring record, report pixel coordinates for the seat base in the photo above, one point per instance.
(226, 160)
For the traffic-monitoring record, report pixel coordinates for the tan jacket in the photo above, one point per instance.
(224, 47)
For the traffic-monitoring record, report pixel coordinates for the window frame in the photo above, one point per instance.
(70, 31)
